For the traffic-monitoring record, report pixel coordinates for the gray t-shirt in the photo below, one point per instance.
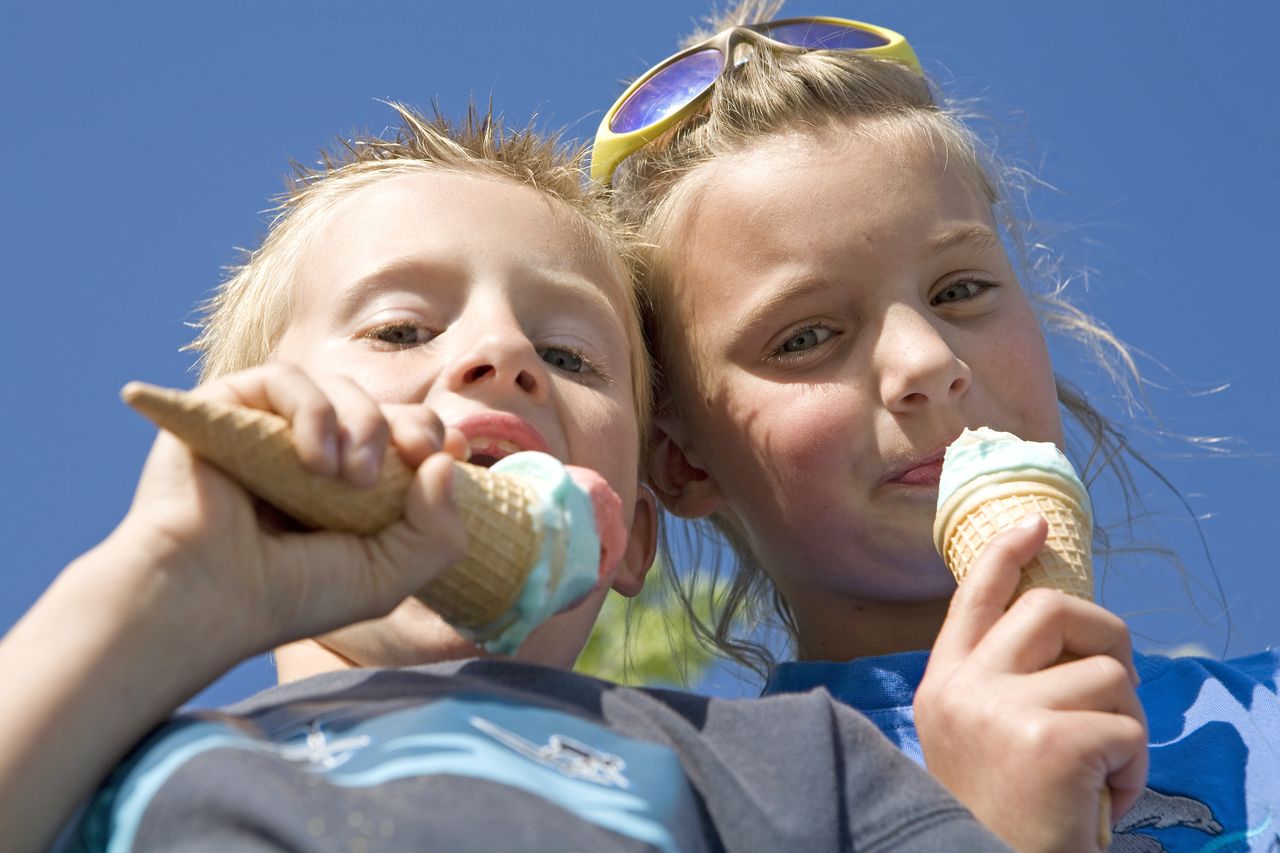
(494, 755)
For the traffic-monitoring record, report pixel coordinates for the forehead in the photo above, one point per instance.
(879, 177)
(454, 218)
(830, 195)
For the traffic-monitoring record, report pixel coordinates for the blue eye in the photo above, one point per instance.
(563, 359)
(958, 291)
(805, 339)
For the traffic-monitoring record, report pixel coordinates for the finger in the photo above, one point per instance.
(1117, 745)
(286, 390)
(1043, 625)
(362, 428)
(455, 443)
(416, 432)
(1099, 683)
(982, 599)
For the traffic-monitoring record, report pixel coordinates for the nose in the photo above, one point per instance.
(918, 367)
(500, 359)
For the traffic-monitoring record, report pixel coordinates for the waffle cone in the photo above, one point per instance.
(976, 516)
(255, 448)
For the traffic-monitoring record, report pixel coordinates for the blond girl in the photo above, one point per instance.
(832, 303)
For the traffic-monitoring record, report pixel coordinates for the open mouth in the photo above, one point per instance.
(485, 451)
(493, 435)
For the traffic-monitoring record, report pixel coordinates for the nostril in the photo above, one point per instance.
(477, 373)
(526, 381)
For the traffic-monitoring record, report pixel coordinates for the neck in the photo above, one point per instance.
(305, 658)
(862, 629)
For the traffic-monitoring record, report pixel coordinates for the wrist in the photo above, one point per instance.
(148, 596)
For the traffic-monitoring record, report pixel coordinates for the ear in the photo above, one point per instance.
(684, 488)
(641, 546)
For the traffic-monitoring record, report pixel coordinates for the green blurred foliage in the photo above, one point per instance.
(646, 640)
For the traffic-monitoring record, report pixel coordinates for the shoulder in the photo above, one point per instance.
(1259, 669)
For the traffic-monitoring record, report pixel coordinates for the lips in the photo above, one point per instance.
(495, 435)
(922, 471)
(926, 474)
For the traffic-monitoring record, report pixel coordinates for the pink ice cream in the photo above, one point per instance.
(606, 507)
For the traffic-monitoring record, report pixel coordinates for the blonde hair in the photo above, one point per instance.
(241, 324)
(778, 93)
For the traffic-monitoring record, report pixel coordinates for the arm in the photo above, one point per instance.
(1027, 713)
(191, 583)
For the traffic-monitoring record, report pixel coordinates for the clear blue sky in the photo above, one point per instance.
(142, 140)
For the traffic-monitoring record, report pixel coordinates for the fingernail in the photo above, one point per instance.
(332, 457)
(1028, 521)
(362, 466)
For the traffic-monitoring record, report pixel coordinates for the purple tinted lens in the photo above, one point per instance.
(818, 36)
(667, 91)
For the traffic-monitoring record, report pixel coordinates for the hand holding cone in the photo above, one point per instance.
(505, 515)
(991, 480)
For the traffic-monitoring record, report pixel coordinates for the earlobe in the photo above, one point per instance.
(684, 488)
(641, 545)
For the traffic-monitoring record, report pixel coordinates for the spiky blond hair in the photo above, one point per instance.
(241, 324)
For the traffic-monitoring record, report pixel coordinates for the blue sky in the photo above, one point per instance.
(142, 141)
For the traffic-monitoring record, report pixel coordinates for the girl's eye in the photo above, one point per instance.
(804, 339)
(401, 334)
(958, 291)
(563, 359)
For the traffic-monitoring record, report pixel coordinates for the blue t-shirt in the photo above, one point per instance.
(1214, 783)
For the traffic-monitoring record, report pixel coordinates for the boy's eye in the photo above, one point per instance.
(805, 339)
(958, 291)
(401, 334)
(563, 359)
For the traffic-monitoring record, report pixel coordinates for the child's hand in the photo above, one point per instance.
(263, 585)
(1026, 714)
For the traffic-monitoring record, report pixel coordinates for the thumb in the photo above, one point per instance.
(988, 588)
(431, 537)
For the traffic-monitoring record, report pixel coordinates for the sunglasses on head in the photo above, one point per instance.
(677, 86)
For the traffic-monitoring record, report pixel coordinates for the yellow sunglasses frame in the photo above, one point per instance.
(610, 149)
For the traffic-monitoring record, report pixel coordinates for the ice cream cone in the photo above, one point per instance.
(256, 449)
(979, 514)
(995, 479)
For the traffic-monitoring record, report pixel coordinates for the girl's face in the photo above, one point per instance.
(488, 302)
(843, 308)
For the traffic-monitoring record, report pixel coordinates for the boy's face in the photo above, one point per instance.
(488, 302)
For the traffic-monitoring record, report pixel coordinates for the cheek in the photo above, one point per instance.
(760, 436)
(603, 435)
(1021, 373)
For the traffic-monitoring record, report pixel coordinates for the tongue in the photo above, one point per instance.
(608, 511)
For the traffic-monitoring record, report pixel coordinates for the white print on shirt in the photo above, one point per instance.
(320, 752)
(570, 757)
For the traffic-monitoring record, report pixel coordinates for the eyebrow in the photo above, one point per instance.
(789, 291)
(408, 275)
(405, 274)
(979, 236)
(574, 286)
